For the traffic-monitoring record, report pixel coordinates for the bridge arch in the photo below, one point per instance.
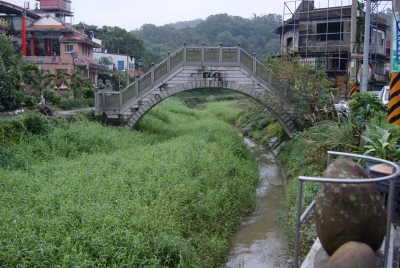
(196, 67)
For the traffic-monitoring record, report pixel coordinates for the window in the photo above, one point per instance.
(377, 37)
(69, 48)
(85, 49)
(131, 66)
(289, 42)
(120, 65)
(329, 31)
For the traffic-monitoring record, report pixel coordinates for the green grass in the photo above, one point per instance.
(166, 195)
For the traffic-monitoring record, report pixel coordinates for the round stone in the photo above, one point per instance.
(352, 254)
(355, 212)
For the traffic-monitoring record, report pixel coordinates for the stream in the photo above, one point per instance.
(259, 242)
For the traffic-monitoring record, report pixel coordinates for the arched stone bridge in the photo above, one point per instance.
(190, 68)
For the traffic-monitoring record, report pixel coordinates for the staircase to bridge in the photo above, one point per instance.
(193, 68)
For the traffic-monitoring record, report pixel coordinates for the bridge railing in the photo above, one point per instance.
(119, 101)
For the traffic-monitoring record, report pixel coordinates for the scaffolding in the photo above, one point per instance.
(321, 33)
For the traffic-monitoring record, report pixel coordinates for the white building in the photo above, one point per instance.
(121, 62)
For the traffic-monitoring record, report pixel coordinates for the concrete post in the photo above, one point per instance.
(152, 73)
(238, 54)
(184, 52)
(120, 100)
(169, 62)
(220, 52)
(254, 64)
(202, 54)
(136, 84)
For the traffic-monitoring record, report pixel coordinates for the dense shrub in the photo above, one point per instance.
(9, 98)
(30, 100)
(51, 97)
(364, 105)
(70, 104)
(87, 92)
(36, 123)
(66, 95)
(9, 133)
(262, 121)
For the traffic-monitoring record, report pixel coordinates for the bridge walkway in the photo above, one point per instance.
(197, 67)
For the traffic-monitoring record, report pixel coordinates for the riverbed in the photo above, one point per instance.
(259, 242)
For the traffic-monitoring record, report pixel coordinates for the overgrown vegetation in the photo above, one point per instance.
(366, 106)
(306, 155)
(262, 125)
(168, 195)
(197, 97)
(307, 86)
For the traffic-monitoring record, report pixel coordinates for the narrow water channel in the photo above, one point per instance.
(259, 242)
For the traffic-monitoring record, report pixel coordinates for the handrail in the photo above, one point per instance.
(152, 79)
(301, 218)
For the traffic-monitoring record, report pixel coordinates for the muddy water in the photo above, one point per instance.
(259, 242)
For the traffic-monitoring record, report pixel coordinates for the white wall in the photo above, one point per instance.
(121, 61)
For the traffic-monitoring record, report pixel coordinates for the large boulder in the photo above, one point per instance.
(352, 254)
(349, 212)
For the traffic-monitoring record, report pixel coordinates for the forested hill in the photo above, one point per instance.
(183, 24)
(255, 34)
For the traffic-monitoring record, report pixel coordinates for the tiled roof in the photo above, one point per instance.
(91, 62)
(47, 27)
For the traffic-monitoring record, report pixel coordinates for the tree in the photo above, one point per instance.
(105, 61)
(61, 77)
(226, 39)
(76, 82)
(9, 97)
(20, 71)
(305, 85)
(253, 34)
(41, 80)
(7, 51)
(2, 66)
(272, 46)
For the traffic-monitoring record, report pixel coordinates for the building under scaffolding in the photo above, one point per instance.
(322, 37)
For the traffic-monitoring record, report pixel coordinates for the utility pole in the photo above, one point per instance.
(394, 84)
(353, 37)
(364, 80)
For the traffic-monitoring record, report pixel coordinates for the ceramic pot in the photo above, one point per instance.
(381, 170)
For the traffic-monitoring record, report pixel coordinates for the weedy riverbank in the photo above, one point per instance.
(168, 194)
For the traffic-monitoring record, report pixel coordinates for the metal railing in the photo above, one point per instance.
(48, 59)
(185, 56)
(301, 217)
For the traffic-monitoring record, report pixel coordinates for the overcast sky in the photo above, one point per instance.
(132, 14)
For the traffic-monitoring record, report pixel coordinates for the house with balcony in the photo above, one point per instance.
(45, 38)
(74, 45)
(13, 19)
(322, 38)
